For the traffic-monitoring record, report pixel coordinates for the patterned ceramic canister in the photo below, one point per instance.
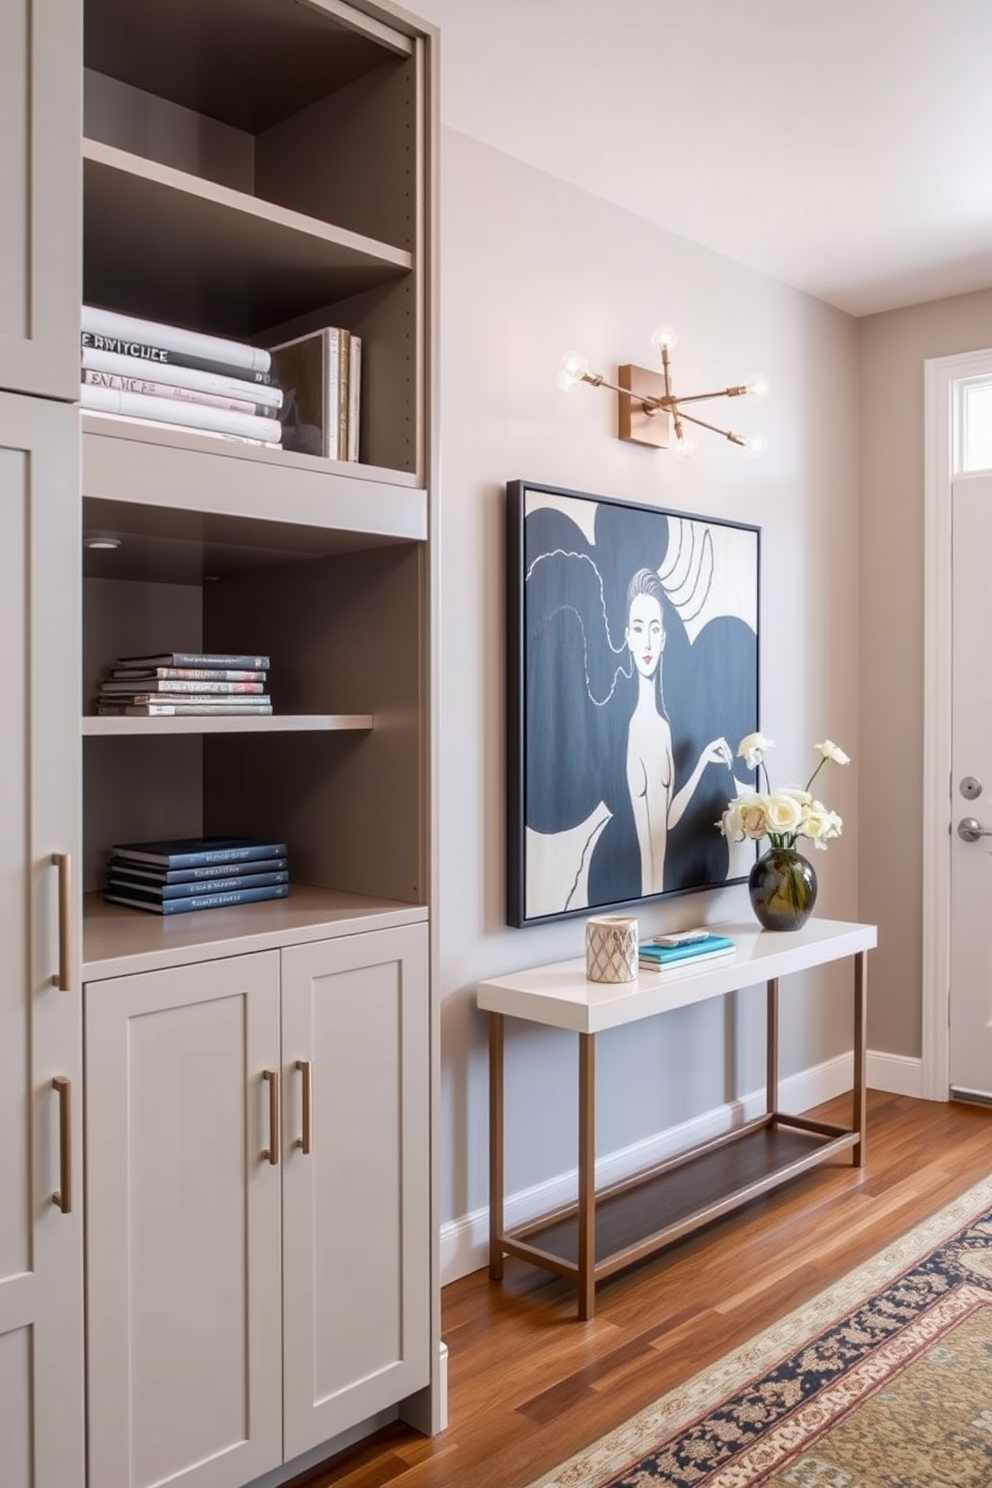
(611, 949)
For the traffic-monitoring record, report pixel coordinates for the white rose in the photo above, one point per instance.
(803, 797)
(831, 751)
(783, 813)
(730, 823)
(752, 748)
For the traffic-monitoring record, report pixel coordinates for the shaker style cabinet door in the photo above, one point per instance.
(41, 1239)
(356, 1185)
(184, 1341)
(41, 69)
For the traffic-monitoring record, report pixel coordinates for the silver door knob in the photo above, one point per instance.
(969, 830)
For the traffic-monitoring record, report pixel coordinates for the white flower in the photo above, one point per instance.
(783, 813)
(831, 751)
(752, 748)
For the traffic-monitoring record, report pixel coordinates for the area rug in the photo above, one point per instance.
(884, 1380)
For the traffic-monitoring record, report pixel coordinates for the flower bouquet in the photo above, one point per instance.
(782, 883)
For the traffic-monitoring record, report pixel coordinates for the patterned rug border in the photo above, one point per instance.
(705, 1390)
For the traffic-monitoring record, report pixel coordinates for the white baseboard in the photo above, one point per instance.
(465, 1241)
(895, 1074)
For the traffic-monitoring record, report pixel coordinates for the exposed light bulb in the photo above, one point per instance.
(756, 386)
(571, 370)
(664, 338)
(753, 444)
(684, 449)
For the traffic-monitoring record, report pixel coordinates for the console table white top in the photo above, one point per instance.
(560, 996)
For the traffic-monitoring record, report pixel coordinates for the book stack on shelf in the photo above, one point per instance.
(184, 874)
(321, 377)
(683, 950)
(177, 684)
(167, 376)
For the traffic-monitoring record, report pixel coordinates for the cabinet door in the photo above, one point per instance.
(41, 1247)
(41, 68)
(182, 1236)
(356, 1210)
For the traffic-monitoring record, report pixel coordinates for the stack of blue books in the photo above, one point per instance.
(190, 873)
(683, 950)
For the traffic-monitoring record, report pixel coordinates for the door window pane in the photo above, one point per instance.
(977, 426)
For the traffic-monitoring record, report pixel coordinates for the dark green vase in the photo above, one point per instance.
(782, 886)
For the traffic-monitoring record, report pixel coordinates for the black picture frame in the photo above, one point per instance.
(621, 706)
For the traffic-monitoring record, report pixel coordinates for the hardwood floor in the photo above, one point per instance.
(529, 1385)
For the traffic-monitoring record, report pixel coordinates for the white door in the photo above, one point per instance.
(41, 1242)
(970, 1035)
(356, 1185)
(184, 1337)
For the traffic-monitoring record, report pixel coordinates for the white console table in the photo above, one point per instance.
(593, 1238)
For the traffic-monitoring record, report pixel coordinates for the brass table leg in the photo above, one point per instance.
(496, 1146)
(860, 1118)
(587, 1176)
(771, 1051)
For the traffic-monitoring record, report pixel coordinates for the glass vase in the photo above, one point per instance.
(782, 886)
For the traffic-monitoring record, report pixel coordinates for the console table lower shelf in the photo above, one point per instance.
(614, 1227)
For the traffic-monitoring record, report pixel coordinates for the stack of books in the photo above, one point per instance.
(682, 950)
(176, 684)
(167, 376)
(192, 873)
(321, 376)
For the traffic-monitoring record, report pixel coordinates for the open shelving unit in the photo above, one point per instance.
(256, 169)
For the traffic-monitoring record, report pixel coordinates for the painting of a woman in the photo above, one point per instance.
(650, 762)
(633, 659)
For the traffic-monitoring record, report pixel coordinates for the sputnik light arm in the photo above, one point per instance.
(642, 394)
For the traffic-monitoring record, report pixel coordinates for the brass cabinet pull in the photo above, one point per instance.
(63, 977)
(303, 1142)
(272, 1151)
(64, 1196)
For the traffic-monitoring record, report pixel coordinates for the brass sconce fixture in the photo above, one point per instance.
(649, 411)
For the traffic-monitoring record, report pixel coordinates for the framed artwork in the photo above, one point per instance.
(632, 674)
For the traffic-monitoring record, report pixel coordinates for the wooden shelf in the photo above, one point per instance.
(118, 940)
(153, 235)
(205, 489)
(240, 724)
(257, 60)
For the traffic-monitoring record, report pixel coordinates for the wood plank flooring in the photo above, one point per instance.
(529, 1385)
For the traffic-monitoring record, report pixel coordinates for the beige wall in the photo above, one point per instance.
(893, 348)
(530, 267)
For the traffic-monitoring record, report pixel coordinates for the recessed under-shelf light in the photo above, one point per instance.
(102, 544)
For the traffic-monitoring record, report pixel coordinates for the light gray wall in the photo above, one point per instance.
(893, 348)
(531, 267)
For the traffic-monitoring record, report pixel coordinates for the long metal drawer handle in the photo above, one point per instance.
(63, 977)
(303, 1142)
(64, 1196)
(272, 1151)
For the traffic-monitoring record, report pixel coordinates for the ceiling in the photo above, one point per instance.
(843, 148)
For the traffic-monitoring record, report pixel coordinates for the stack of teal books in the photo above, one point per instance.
(682, 950)
(193, 873)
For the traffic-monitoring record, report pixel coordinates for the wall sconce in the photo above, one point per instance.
(649, 412)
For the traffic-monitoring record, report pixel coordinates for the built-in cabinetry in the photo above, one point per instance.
(40, 90)
(252, 169)
(258, 1181)
(41, 1189)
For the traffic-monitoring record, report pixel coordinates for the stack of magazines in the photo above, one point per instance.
(185, 683)
(682, 950)
(170, 377)
(189, 873)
